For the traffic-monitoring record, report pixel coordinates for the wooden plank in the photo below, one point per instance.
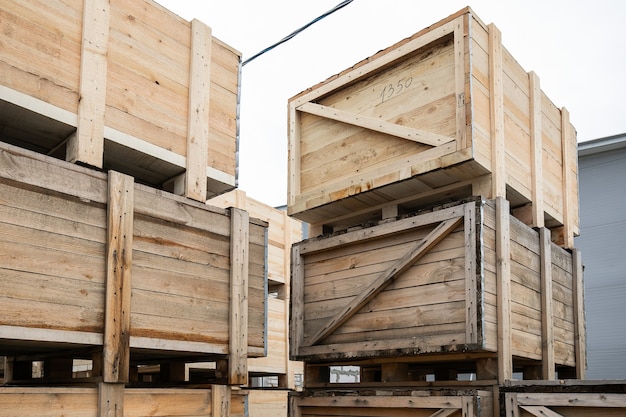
(198, 122)
(575, 399)
(294, 187)
(471, 287)
(87, 145)
(568, 184)
(459, 81)
(375, 124)
(547, 322)
(238, 324)
(540, 411)
(496, 100)
(110, 400)
(296, 327)
(118, 278)
(220, 400)
(436, 236)
(579, 315)
(536, 149)
(503, 274)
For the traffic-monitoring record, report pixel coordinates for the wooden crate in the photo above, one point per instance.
(267, 403)
(108, 400)
(396, 403)
(282, 232)
(442, 115)
(566, 399)
(88, 259)
(120, 85)
(466, 282)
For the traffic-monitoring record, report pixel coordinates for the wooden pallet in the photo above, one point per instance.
(442, 115)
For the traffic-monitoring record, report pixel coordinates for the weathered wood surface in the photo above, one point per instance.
(84, 402)
(448, 301)
(476, 403)
(282, 232)
(53, 261)
(424, 116)
(120, 75)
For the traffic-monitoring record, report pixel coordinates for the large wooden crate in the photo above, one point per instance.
(121, 85)
(107, 400)
(88, 259)
(466, 282)
(393, 403)
(282, 232)
(442, 115)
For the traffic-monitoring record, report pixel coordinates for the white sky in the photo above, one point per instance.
(578, 49)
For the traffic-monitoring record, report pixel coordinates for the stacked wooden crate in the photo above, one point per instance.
(441, 184)
(127, 86)
(112, 285)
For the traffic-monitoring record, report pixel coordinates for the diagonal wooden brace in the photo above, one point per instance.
(387, 277)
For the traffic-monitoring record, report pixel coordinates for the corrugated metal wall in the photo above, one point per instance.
(602, 241)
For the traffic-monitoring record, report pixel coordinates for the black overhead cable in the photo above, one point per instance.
(294, 33)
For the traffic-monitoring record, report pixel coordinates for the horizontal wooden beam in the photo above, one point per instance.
(375, 124)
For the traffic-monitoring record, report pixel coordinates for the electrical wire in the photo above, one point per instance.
(297, 31)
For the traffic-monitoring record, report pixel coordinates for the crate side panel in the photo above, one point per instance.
(480, 97)
(53, 268)
(418, 92)
(49, 402)
(41, 53)
(563, 307)
(552, 158)
(148, 74)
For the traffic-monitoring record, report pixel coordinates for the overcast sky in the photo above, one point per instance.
(578, 49)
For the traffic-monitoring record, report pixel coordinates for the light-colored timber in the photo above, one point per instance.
(108, 268)
(466, 282)
(105, 400)
(282, 232)
(125, 86)
(445, 114)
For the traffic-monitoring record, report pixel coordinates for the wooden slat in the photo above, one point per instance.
(238, 324)
(87, 145)
(198, 122)
(540, 411)
(503, 274)
(296, 327)
(459, 81)
(496, 100)
(220, 400)
(579, 315)
(536, 149)
(567, 182)
(471, 288)
(118, 278)
(294, 187)
(440, 232)
(110, 400)
(444, 412)
(375, 124)
(547, 322)
(576, 399)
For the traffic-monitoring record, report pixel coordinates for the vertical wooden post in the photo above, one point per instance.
(110, 400)
(293, 177)
(496, 107)
(547, 322)
(238, 330)
(116, 354)
(503, 277)
(296, 328)
(287, 239)
(579, 315)
(220, 400)
(568, 183)
(87, 145)
(198, 118)
(459, 81)
(471, 286)
(536, 147)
